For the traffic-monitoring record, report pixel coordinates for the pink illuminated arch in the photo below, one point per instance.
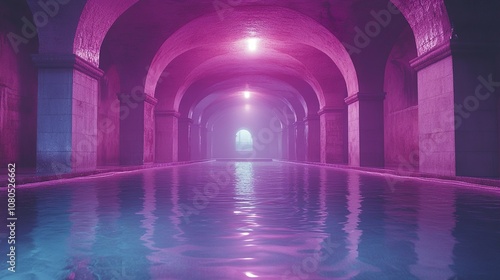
(274, 25)
(96, 19)
(429, 21)
(271, 62)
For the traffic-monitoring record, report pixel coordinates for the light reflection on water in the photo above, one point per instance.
(265, 220)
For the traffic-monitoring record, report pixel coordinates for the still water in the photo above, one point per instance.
(263, 220)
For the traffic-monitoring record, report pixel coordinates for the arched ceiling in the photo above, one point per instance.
(183, 51)
(283, 101)
(256, 77)
(238, 64)
(275, 27)
(216, 109)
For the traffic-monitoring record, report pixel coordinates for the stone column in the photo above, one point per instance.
(209, 142)
(284, 142)
(312, 134)
(300, 141)
(184, 139)
(436, 111)
(291, 143)
(149, 129)
(204, 142)
(67, 113)
(458, 110)
(137, 128)
(281, 145)
(333, 138)
(195, 142)
(167, 136)
(366, 129)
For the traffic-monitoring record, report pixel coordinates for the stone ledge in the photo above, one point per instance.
(360, 96)
(327, 110)
(71, 61)
(437, 54)
(487, 182)
(150, 99)
(169, 113)
(32, 179)
(310, 118)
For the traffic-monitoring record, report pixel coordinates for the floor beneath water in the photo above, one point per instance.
(264, 220)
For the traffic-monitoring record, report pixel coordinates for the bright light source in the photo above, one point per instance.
(247, 94)
(250, 275)
(253, 44)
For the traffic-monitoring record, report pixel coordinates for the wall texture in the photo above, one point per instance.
(401, 106)
(18, 90)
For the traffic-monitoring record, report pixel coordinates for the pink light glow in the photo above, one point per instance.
(247, 94)
(253, 44)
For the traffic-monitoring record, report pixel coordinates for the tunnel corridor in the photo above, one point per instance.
(384, 84)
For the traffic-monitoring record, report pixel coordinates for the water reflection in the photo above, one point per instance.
(268, 221)
(244, 181)
(83, 218)
(149, 219)
(106, 263)
(434, 243)
(50, 235)
(244, 211)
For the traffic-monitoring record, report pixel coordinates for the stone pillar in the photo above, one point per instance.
(333, 138)
(67, 113)
(184, 139)
(436, 111)
(209, 140)
(149, 129)
(204, 142)
(137, 136)
(167, 136)
(458, 111)
(366, 129)
(291, 137)
(195, 142)
(312, 134)
(300, 141)
(281, 145)
(284, 142)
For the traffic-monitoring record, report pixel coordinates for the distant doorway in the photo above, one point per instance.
(244, 141)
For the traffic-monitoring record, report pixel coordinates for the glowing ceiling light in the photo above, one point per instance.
(247, 94)
(253, 44)
(250, 275)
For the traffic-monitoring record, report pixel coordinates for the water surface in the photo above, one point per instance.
(264, 220)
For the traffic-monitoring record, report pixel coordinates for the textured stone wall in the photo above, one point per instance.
(84, 120)
(18, 89)
(435, 118)
(108, 120)
(333, 126)
(401, 106)
(149, 132)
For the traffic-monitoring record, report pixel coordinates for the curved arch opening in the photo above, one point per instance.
(243, 141)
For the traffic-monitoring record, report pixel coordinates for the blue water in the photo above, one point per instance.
(264, 220)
